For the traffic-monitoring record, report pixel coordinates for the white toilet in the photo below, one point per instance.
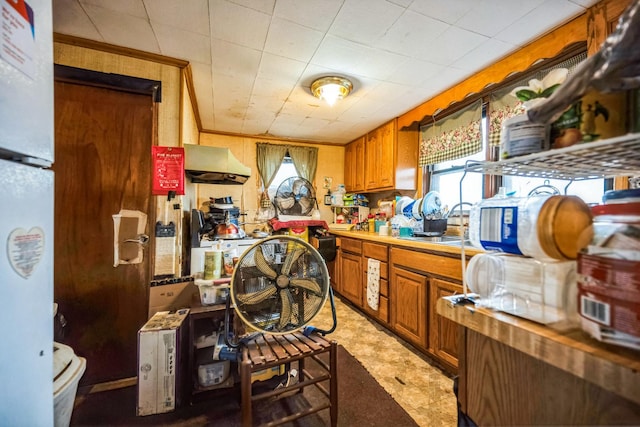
(67, 370)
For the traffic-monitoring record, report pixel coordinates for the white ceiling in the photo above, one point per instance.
(254, 60)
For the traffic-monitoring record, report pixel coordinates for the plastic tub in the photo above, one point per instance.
(519, 137)
(213, 291)
(213, 373)
(542, 291)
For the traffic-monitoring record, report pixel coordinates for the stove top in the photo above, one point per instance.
(246, 241)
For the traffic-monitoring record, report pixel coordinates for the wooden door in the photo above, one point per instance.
(351, 277)
(443, 333)
(409, 305)
(103, 140)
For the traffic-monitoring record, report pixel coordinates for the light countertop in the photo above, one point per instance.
(447, 248)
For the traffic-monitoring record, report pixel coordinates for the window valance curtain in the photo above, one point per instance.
(458, 135)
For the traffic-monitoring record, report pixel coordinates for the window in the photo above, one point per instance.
(445, 174)
(590, 191)
(286, 170)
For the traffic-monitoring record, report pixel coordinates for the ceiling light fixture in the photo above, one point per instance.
(331, 88)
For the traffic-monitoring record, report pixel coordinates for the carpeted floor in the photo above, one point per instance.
(362, 401)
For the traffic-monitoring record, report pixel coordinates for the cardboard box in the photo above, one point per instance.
(167, 296)
(161, 362)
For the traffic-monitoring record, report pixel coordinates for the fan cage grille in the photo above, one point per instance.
(270, 313)
(295, 196)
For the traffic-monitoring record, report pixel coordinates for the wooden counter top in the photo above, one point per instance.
(395, 241)
(615, 369)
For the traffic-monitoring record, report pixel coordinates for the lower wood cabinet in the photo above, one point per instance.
(443, 333)
(350, 274)
(380, 253)
(418, 280)
(409, 305)
(411, 282)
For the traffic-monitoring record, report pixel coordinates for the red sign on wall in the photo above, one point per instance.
(168, 170)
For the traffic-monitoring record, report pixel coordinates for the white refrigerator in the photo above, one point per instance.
(26, 213)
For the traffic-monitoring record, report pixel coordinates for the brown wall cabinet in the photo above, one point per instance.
(354, 166)
(382, 160)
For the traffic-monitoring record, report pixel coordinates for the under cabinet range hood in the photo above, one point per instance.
(214, 165)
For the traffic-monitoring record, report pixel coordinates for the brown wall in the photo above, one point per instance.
(246, 197)
(178, 123)
(169, 110)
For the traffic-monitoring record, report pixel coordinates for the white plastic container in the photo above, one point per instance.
(67, 371)
(543, 227)
(542, 291)
(337, 195)
(214, 373)
(519, 137)
(211, 292)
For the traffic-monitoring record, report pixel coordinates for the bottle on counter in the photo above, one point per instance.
(542, 291)
(543, 227)
(338, 195)
(372, 223)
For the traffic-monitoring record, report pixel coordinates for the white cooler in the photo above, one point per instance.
(67, 370)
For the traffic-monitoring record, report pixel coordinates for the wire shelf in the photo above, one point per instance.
(619, 156)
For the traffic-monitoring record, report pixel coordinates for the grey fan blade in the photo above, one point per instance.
(285, 313)
(308, 284)
(263, 265)
(291, 259)
(256, 297)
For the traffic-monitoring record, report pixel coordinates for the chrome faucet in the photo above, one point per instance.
(452, 210)
(466, 229)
